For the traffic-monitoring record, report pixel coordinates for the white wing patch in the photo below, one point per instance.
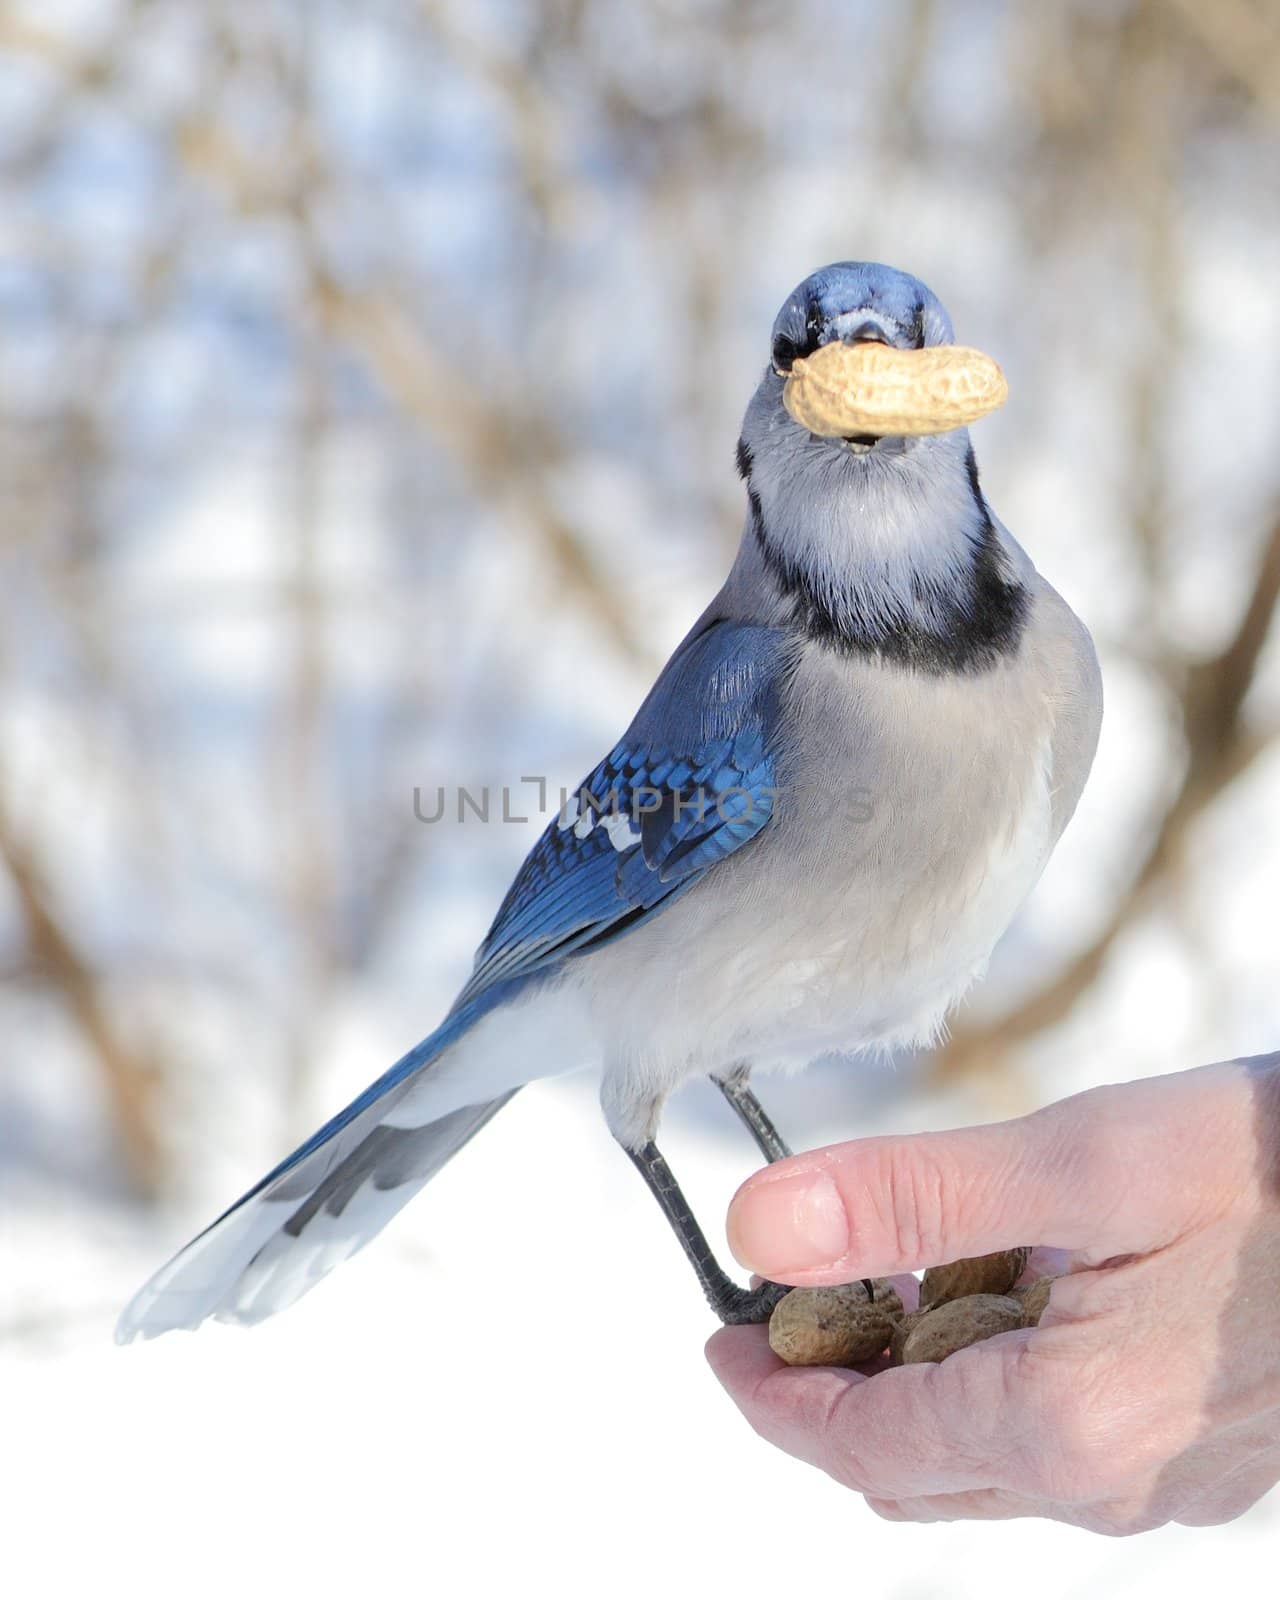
(622, 831)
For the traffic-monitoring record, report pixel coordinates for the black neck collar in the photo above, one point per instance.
(981, 621)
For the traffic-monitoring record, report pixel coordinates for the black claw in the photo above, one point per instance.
(748, 1305)
(731, 1303)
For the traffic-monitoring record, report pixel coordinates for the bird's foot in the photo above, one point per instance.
(735, 1306)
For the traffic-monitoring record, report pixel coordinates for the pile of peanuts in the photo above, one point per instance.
(960, 1305)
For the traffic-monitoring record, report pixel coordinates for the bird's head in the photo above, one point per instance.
(815, 497)
(881, 542)
(850, 302)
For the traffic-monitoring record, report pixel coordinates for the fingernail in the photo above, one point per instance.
(789, 1225)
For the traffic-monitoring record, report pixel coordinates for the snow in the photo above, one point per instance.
(506, 1394)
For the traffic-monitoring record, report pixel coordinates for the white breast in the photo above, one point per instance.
(908, 831)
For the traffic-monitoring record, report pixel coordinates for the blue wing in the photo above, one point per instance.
(691, 781)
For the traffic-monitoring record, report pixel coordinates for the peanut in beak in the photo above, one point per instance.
(844, 389)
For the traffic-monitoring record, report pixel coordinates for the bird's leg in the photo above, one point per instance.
(733, 1086)
(730, 1303)
(773, 1147)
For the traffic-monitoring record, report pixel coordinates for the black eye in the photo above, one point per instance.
(784, 353)
(916, 331)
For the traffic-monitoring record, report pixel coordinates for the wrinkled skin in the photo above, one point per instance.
(1150, 1392)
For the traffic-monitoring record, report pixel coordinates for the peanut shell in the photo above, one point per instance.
(901, 1333)
(887, 1297)
(833, 1327)
(1033, 1298)
(993, 1274)
(959, 1323)
(873, 388)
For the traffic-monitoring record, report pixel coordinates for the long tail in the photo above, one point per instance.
(319, 1206)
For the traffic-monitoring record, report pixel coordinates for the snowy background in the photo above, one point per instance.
(369, 379)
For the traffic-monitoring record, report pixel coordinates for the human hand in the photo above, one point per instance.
(1150, 1391)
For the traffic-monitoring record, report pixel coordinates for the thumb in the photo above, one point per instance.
(1106, 1171)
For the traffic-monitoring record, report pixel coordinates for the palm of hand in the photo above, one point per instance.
(1149, 1393)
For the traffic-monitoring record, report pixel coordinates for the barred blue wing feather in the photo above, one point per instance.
(691, 781)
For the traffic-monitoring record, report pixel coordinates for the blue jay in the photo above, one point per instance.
(834, 799)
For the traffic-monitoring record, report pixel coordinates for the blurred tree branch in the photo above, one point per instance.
(129, 1077)
(504, 448)
(1245, 39)
(480, 436)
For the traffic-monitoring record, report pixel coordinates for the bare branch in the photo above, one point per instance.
(1243, 39)
(130, 1079)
